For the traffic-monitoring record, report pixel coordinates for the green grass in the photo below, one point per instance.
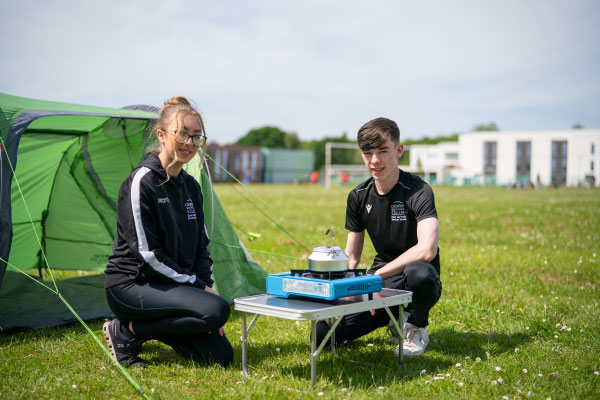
(520, 270)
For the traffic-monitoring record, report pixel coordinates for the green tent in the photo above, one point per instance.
(69, 161)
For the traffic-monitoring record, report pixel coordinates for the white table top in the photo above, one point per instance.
(313, 309)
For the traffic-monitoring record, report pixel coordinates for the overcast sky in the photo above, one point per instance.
(317, 68)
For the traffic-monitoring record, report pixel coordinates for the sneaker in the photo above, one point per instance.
(394, 334)
(415, 341)
(123, 345)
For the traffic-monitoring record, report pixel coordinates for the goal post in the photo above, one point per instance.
(331, 170)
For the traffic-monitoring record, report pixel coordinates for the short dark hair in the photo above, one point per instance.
(372, 134)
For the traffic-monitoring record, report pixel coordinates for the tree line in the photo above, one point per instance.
(274, 137)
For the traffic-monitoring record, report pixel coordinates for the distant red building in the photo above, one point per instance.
(244, 162)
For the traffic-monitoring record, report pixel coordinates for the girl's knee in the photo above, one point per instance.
(220, 312)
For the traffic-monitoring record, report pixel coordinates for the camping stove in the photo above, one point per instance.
(326, 285)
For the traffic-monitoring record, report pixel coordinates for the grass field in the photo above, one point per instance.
(518, 318)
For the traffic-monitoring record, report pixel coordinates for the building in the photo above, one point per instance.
(259, 164)
(287, 166)
(243, 162)
(569, 157)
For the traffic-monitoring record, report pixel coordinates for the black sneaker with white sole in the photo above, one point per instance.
(123, 344)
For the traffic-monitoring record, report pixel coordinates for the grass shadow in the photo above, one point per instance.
(475, 344)
(369, 362)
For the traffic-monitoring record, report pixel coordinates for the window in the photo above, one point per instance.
(523, 175)
(237, 167)
(225, 164)
(592, 148)
(216, 169)
(559, 162)
(489, 162)
(451, 156)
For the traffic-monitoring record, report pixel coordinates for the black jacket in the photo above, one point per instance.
(160, 230)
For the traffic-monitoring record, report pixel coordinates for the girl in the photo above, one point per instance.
(158, 279)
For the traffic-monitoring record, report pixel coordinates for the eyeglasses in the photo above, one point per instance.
(183, 136)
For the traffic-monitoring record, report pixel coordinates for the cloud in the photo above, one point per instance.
(315, 67)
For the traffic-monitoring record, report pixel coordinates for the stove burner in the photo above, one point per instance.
(328, 275)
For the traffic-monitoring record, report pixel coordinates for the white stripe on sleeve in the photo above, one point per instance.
(143, 248)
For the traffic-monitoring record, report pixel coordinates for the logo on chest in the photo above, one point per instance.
(189, 208)
(398, 211)
(368, 207)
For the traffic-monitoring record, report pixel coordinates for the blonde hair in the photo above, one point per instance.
(176, 108)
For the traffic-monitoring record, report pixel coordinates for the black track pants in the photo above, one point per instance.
(421, 278)
(181, 316)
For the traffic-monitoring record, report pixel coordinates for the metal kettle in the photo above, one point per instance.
(328, 258)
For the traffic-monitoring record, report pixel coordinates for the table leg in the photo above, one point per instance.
(313, 353)
(400, 331)
(400, 338)
(244, 350)
(333, 338)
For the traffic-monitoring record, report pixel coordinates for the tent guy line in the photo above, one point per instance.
(137, 387)
(264, 202)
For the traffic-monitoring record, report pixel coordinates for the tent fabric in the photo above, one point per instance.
(70, 161)
(26, 304)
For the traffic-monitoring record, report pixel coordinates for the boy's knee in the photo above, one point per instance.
(421, 274)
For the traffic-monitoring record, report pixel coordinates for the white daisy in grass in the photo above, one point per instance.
(524, 370)
(477, 359)
(498, 369)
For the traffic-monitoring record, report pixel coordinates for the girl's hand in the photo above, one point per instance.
(211, 290)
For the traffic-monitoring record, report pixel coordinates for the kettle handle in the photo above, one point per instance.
(325, 239)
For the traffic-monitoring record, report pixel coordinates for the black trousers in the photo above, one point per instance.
(181, 316)
(421, 278)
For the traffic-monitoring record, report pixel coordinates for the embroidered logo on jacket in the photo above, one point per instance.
(163, 200)
(398, 211)
(369, 208)
(191, 211)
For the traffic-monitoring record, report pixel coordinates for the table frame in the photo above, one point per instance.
(313, 311)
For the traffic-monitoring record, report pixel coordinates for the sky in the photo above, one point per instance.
(317, 68)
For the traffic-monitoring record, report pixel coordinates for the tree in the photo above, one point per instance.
(486, 127)
(291, 140)
(270, 136)
(577, 126)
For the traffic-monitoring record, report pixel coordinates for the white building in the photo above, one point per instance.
(570, 157)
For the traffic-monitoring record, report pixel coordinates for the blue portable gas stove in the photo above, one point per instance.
(326, 285)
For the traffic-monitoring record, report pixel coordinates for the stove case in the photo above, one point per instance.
(322, 285)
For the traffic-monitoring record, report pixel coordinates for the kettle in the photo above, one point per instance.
(328, 258)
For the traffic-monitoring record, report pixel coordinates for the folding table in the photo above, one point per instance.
(304, 309)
